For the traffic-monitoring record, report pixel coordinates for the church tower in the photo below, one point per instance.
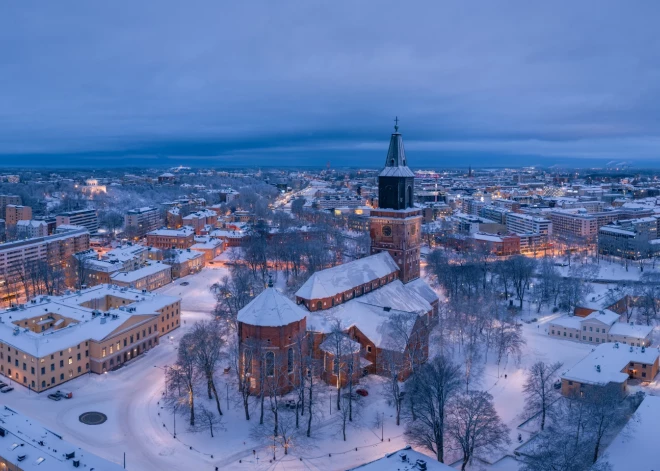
(396, 225)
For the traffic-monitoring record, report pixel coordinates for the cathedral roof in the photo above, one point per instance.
(333, 281)
(271, 309)
(396, 164)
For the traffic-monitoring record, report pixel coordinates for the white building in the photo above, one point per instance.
(600, 327)
(526, 224)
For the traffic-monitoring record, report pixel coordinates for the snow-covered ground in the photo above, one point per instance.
(138, 425)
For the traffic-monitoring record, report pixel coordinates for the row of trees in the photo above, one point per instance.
(443, 418)
(198, 358)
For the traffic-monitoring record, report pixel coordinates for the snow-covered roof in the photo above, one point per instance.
(83, 324)
(131, 276)
(569, 322)
(405, 459)
(42, 449)
(271, 309)
(423, 289)
(332, 281)
(640, 434)
(184, 231)
(631, 330)
(605, 316)
(612, 358)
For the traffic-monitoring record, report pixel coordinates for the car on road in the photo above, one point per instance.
(55, 397)
(2, 385)
(6, 389)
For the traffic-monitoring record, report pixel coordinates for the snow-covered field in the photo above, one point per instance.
(139, 427)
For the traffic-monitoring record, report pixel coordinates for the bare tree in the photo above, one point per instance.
(521, 270)
(241, 362)
(188, 372)
(539, 389)
(207, 349)
(234, 292)
(207, 420)
(473, 425)
(431, 389)
(508, 338)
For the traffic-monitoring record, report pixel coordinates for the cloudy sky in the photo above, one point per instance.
(212, 82)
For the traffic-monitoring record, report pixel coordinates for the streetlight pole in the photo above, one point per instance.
(174, 417)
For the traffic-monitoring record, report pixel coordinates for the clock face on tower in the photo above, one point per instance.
(387, 231)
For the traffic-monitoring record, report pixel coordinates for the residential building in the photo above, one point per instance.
(149, 277)
(16, 257)
(525, 224)
(9, 199)
(182, 238)
(138, 222)
(86, 218)
(28, 229)
(633, 239)
(600, 327)
(184, 262)
(610, 365)
(26, 445)
(53, 339)
(15, 213)
(500, 245)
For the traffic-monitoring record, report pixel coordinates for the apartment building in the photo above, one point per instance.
(182, 238)
(200, 219)
(632, 239)
(7, 200)
(31, 228)
(15, 213)
(525, 224)
(123, 258)
(86, 218)
(138, 222)
(53, 339)
(17, 257)
(495, 213)
(184, 262)
(149, 277)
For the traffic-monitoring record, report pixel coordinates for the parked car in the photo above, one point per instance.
(55, 397)
(2, 385)
(65, 394)
(184, 283)
(362, 392)
(6, 389)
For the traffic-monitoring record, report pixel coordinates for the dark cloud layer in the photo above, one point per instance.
(303, 82)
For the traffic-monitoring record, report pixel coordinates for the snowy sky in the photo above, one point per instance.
(302, 82)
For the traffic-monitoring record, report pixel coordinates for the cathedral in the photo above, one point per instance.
(356, 318)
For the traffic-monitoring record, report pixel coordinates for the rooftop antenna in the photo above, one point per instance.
(396, 124)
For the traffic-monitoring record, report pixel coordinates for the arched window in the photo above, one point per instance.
(410, 196)
(270, 364)
(289, 360)
(319, 305)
